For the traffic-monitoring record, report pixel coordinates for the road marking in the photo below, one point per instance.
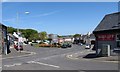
(31, 53)
(43, 64)
(8, 65)
(0, 67)
(29, 62)
(16, 64)
(111, 61)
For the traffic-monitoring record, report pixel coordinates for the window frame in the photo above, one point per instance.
(117, 40)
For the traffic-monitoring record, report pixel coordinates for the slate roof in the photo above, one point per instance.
(1, 25)
(92, 36)
(109, 22)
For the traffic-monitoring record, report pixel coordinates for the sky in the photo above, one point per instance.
(62, 18)
(60, 0)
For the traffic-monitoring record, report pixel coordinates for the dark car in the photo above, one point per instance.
(64, 45)
(69, 44)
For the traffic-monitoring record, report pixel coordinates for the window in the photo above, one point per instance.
(118, 40)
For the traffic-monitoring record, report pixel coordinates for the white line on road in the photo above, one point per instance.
(0, 67)
(16, 64)
(44, 64)
(29, 62)
(31, 53)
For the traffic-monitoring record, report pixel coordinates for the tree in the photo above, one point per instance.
(60, 36)
(43, 35)
(77, 35)
(77, 38)
(30, 34)
(34, 37)
(11, 30)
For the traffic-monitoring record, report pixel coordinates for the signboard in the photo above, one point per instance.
(105, 37)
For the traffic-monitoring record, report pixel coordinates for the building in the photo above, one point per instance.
(53, 37)
(88, 39)
(108, 33)
(3, 39)
(92, 39)
(66, 39)
(18, 38)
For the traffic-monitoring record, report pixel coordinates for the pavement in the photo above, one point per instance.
(91, 55)
(14, 53)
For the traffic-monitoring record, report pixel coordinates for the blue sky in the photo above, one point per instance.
(61, 18)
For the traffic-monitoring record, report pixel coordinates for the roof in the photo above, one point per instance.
(2, 26)
(83, 36)
(109, 22)
(92, 36)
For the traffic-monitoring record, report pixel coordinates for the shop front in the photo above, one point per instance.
(107, 35)
(111, 39)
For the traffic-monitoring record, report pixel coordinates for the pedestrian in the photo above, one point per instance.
(8, 46)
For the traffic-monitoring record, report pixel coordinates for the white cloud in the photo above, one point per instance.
(45, 14)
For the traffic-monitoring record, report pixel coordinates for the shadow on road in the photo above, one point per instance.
(91, 55)
(101, 58)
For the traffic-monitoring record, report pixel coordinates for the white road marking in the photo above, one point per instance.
(44, 64)
(8, 65)
(31, 53)
(16, 64)
(35, 62)
(0, 67)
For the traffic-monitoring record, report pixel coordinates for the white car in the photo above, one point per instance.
(87, 46)
(80, 44)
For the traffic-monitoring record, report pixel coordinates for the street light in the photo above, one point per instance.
(18, 28)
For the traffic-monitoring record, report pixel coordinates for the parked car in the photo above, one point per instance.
(80, 44)
(20, 46)
(87, 46)
(33, 43)
(64, 45)
(69, 44)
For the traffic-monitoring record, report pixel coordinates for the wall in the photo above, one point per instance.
(99, 44)
(3, 39)
(111, 43)
(0, 40)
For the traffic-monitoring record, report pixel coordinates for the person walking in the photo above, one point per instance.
(8, 45)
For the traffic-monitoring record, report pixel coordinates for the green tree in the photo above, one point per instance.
(34, 37)
(43, 35)
(60, 36)
(76, 35)
(11, 30)
(30, 34)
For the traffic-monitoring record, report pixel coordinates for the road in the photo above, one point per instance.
(55, 59)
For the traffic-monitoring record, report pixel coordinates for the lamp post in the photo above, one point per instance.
(18, 33)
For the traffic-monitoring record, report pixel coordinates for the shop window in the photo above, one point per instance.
(118, 40)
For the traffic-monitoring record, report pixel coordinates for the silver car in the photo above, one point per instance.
(87, 46)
